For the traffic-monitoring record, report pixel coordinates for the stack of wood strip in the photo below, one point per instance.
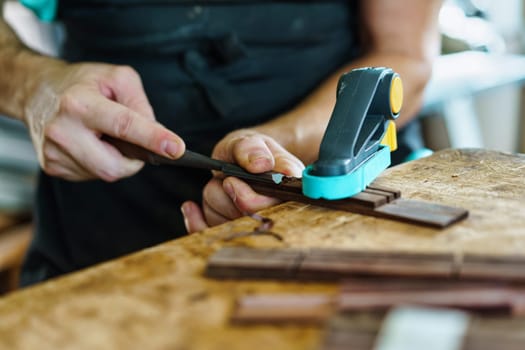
(338, 264)
(380, 295)
(373, 281)
(375, 201)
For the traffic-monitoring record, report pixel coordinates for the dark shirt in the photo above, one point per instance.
(207, 70)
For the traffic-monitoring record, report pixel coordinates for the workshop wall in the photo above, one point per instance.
(491, 116)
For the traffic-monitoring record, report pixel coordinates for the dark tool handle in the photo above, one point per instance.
(191, 160)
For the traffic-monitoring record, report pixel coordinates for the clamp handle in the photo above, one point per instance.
(360, 135)
(367, 99)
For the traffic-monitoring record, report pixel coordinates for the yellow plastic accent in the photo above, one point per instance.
(396, 94)
(390, 138)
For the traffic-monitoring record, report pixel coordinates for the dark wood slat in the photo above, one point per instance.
(383, 284)
(369, 198)
(389, 196)
(314, 308)
(291, 190)
(375, 201)
(254, 263)
(394, 192)
(424, 213)
(330, 253)
(380, 294)
(488, 299)
(324, 266)
(278, 308)
(338, 264)
(499, 268)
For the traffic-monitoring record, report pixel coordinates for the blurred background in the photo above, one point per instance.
(475, 99)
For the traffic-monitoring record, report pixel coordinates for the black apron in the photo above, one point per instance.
(207, 69)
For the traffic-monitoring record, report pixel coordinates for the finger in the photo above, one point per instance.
(252, 153)
(216, 197)
(124, 86)
(259, 153)
(285, 162)
(245, 199)
(97, 157)
(212, 217)
(193, 217)
(119, 121)
(58, 163)
(224, 149)
(58, 170)
(127, 166)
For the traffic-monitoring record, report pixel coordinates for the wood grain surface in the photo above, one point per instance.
(159, 299)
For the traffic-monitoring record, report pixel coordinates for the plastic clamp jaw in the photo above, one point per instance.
(45, 10)
(347, 185)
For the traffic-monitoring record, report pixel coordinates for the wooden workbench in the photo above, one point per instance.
(158, 299)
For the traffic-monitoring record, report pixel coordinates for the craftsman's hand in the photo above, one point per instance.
(72, 106)
(230, 198)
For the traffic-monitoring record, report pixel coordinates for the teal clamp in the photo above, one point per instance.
(45, 10)
(347, 185)
(351, 155)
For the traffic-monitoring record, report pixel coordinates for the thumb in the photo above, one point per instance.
(193, 217)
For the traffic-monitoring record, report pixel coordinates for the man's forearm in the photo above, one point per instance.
(20, 69)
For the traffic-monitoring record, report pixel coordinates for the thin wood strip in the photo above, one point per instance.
(420, 212)
(389, 196)
(368, 198)
(384, 284)
(349, 254)
(254, 263)
(513, 292)
(491, 299)
(507, 268)
(290, 191)
(313, 308)
(437, 209)
(394, 192)
(371, 204)
(277, 308)
(322, 270)
(483, 270)
(337, 264)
